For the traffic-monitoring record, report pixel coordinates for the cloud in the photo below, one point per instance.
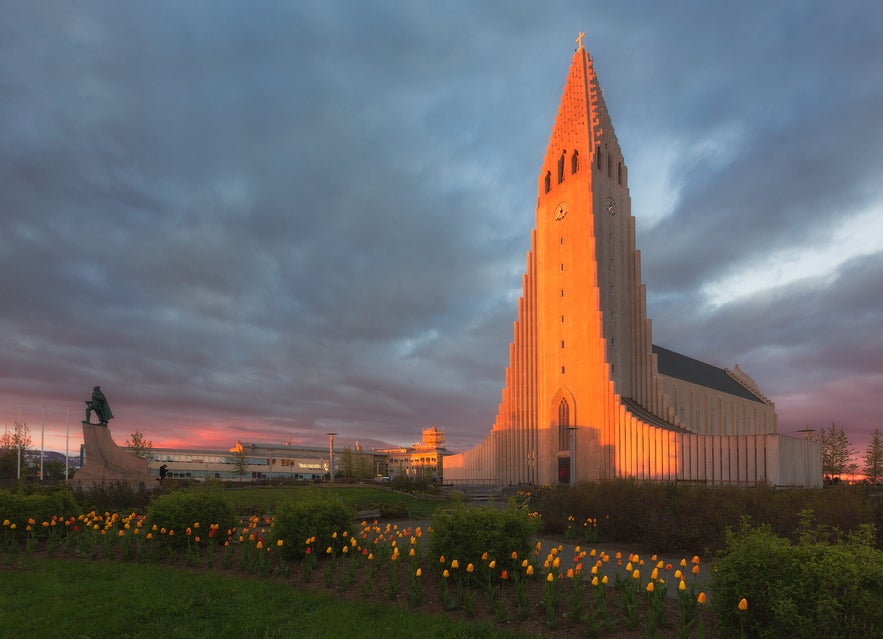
(275, 221)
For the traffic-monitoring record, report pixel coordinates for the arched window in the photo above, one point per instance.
(548, 181)
(574, 162)
(619, 173)
(563, 425)
(598, 156)
(561, 167)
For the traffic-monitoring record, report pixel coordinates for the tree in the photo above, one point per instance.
(14, 446)
(240, 459)
(139, 446)
(348, 463)
(836, 451)
(873, 459)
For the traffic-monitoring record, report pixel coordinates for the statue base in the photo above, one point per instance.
(107, 463)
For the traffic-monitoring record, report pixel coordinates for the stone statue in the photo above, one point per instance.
(99, 404)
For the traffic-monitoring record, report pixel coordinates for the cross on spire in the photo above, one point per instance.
(579, 40)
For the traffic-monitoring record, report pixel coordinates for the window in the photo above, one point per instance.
(561, 167)
(548, 181)
(563, 425)
(598, 156)
(619, 173)
(574, 162)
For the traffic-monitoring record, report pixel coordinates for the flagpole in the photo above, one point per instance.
(42, 440)
(67, 438)
(18, 437)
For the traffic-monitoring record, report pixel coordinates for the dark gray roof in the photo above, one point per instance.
(691, 370)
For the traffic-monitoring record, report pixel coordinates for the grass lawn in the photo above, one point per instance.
(265, 499)
(75, 598)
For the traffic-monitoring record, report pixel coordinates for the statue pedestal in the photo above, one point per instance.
(108, 463)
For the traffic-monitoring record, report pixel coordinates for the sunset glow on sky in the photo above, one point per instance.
(264, 222)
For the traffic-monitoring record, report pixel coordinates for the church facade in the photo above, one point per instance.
(587, 395)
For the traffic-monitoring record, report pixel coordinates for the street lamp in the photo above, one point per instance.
(331, 453)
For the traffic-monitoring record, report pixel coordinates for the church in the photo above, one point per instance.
(588, 397)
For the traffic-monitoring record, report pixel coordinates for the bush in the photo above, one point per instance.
(179, 510)
(118, 496)
(464, 534)
(311, 513)
(807, 589)
(40, 507)
(667, 517)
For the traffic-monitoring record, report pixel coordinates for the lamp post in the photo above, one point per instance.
(331, 453)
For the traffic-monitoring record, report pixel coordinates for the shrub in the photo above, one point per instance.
(310, 513)
(807, 589)
(40, 507)
(118, 496)
(464, 533)
(179, 510)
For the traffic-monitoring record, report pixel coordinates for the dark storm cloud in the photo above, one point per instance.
(286, 218)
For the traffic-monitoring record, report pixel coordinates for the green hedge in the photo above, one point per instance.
(464, 534)
(808, 589)
(311, 513)
(17, 508)
(693, 518)
(179, 510)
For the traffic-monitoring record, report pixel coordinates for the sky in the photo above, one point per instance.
(271, 221)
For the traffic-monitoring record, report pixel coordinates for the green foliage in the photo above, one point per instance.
(179, 510)
(668, 517)
(872, 460)
(464, 534)
(117, 496)
(310, 513)
(836, 450)
(19, 507)
(807, 589)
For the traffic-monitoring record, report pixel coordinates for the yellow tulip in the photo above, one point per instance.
(604, 580)
(455, 564)
(636, 574)
(419, 573)
(650, 586)
(701, 598)
(470, 568)
(493, 564)
(529, 570)
(595, 580)
(550, 578)
(682, 586)
(446, 574)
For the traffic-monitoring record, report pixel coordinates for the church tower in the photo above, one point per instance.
(584, 399)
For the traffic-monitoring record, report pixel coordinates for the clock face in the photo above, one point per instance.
(561, 211)
(611, 206)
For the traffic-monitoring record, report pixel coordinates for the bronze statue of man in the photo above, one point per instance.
(99, 404)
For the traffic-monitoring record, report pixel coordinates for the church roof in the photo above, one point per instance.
(691, 370)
